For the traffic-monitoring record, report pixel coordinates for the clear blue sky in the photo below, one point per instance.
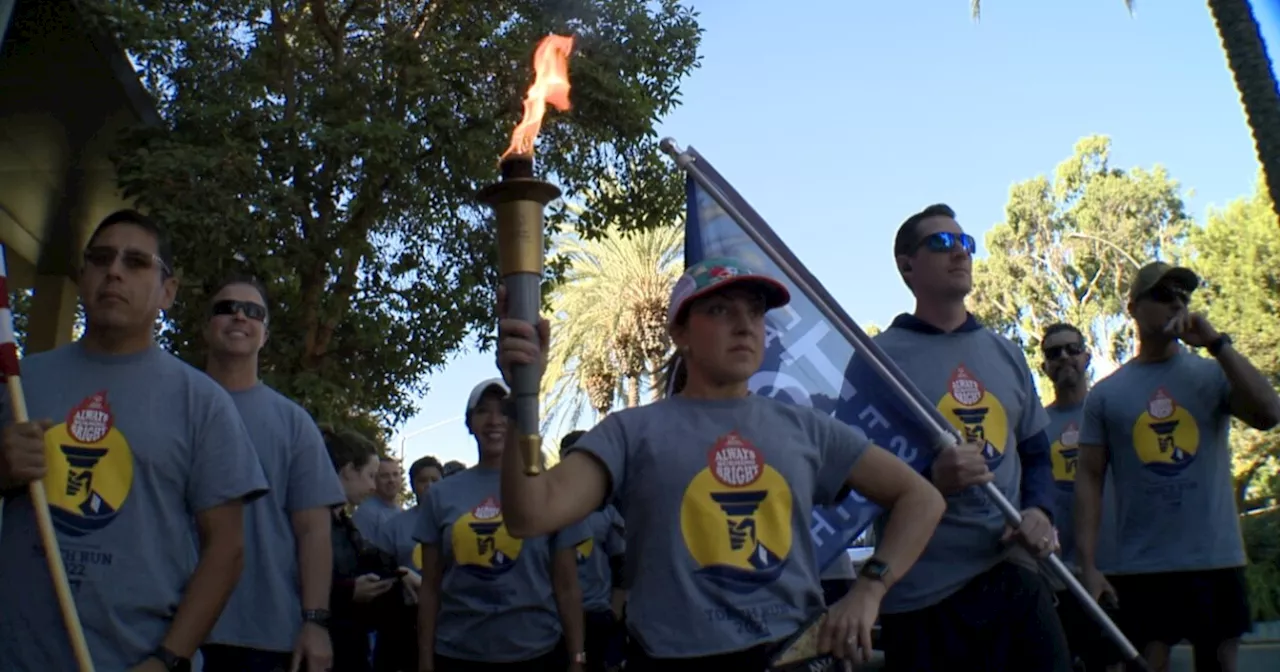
(839, 121)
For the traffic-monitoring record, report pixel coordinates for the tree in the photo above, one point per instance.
(1251, 70)
(334, 150)
(1069, 246)
(1237, 254)
(609, 320)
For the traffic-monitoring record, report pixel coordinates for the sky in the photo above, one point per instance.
(838, 122)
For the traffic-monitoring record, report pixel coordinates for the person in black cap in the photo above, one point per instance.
(1162, 424)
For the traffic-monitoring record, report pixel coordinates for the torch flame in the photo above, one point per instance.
(550, 85)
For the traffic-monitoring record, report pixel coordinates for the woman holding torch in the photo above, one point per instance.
(716, 486)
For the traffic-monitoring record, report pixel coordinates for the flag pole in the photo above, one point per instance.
(888, 370)
(39, 499)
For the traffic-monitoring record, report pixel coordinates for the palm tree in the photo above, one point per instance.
(608, 320)
(1247, 58)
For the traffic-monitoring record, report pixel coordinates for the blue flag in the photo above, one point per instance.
(806, 360)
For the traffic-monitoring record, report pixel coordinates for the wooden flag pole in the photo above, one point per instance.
(39, 500)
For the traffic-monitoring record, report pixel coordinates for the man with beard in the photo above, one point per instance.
(1066, 363)
(385, 502)
(147, 453)
(975, 600)
(1162, 423)
(279, 612)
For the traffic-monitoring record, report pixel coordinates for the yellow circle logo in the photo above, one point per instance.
(735, 517)
(417, 557)
(1165, 436)
(1065, 455)
(481, 545)
(90, 468)
(976, 414)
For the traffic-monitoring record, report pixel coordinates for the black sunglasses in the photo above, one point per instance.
(1167, 294)
(945, 241)
(102, 256)
(1070, 350)
(253, 311)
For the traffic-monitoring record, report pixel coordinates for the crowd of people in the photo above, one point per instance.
(206, 522)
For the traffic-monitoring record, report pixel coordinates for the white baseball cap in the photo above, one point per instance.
(479, 391)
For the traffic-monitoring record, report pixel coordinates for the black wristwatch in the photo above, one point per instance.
(875, 570)
(318, 616)
(1222, 341)
(171, 661)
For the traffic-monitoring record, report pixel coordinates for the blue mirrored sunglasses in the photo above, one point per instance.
(945, 241)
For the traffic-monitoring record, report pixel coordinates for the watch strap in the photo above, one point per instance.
(1222, 341)
(874, 569)
(319, 617)
(580, 658)
(171, 661)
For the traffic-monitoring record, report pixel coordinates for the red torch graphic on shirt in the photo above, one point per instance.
(518, 201)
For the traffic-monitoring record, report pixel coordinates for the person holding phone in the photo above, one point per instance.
(363, 576)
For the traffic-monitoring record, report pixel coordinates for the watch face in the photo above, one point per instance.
(874, 569)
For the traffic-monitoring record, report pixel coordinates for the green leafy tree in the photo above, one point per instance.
(334, 149)
(1250, 66)
(1237, 255)
(1068, 247)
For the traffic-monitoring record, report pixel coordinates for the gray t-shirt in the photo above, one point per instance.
(717, 497)
(496, 599)
(981, 384)
(265, 611)
(1064, 435)
(371, 514)
(606, 540)
(397, 537)
(142, 443)
(1165, 426)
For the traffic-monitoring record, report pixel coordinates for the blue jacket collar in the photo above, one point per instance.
(913, 323)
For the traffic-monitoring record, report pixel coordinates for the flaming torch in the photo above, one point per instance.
(518, 200)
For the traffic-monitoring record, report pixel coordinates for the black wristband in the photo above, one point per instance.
(1222, 341)
(171, 661)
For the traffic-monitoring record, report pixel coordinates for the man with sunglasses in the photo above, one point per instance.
(279, 611)
(1162, 423)
(143, 446)
(975, 600)
(1066, 364)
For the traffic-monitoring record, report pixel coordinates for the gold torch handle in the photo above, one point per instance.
(518, 207)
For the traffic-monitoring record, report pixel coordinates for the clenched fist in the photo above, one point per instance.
(22, 453)
(959, 467)
(520, 343)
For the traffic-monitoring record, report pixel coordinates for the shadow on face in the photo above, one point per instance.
(423, 480)
(1153, 311)
(938, 266)
(723, 336)
(123, 283)
(1065, 358)
(389, 479)
(359, 481)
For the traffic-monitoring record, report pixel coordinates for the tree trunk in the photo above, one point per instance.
(1247, 58)
(633, 392)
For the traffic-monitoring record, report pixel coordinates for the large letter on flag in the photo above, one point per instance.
(816, 355)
